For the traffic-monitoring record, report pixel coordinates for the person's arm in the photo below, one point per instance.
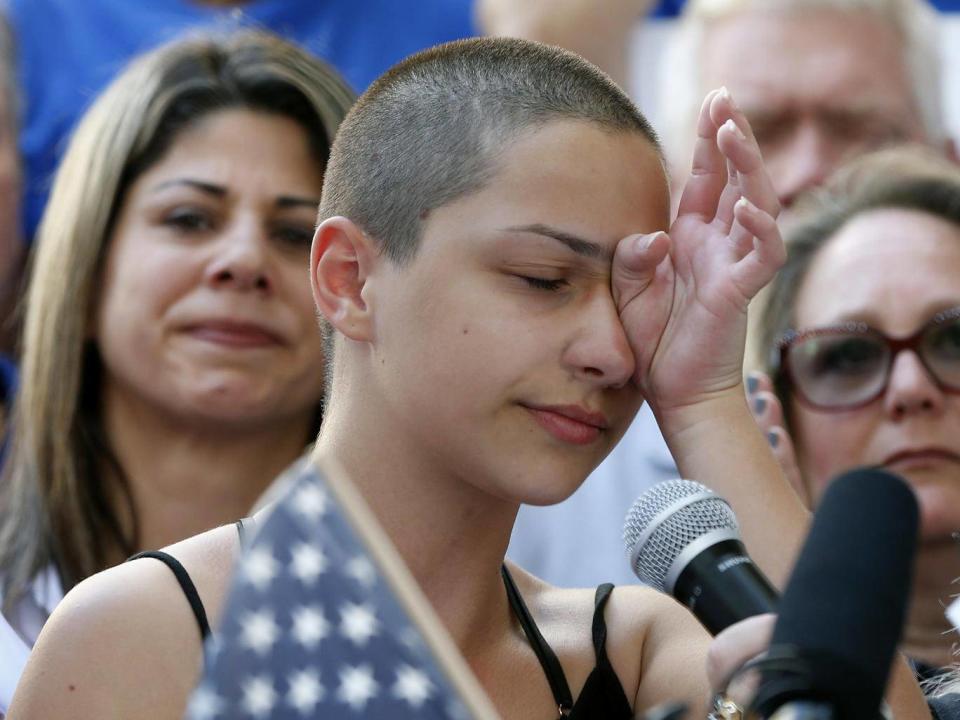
(683, 301)
(600, 32)
(115, 647)
(125, 643)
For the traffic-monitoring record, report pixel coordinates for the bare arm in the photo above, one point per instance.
(600, 32)
(124, 643)
(120, 645)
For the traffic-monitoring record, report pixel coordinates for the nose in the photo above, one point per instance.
(804, 160)
(241, 260)
(911, 388)
(599, 352)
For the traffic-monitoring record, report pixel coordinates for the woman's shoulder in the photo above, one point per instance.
(130, 622)
(656, 647)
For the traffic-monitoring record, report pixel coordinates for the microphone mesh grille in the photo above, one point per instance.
(666, 539)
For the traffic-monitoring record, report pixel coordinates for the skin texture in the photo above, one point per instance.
(818, 86)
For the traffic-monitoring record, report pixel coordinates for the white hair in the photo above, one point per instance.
(680, 92)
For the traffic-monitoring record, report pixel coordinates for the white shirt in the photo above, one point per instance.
(19, 632)
(579, 542)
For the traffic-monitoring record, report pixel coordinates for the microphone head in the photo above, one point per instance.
(665, 520)
(845, 603)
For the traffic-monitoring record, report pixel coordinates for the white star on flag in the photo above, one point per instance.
(259, 696)
(305, 691)
(260, 567)
(205, 704)
(362, 570)
(308, 563)
(309, 626)
(260, 631)
(358, 623)
(310, 502)
(357, 686)
(412, 685)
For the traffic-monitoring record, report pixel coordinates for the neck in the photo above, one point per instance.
(928, 636)
(451, 534)
(186, 478)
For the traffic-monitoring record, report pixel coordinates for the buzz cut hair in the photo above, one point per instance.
(437, 125)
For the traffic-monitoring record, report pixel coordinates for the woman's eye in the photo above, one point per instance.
(294, 235)
(543, 283)
(188, 221)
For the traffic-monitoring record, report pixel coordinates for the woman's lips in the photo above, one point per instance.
(569, 424)
(234, 334)
(921, 457)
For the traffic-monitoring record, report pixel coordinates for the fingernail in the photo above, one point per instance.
(732, 127)
(752, 383)
(773, 439)
(759, 405)
(745, 204)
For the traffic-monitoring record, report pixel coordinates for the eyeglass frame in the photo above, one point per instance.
(783, 377)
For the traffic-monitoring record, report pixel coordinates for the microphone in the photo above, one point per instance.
(843, 609)
(684, 540)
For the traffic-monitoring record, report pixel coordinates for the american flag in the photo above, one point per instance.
(312, 630)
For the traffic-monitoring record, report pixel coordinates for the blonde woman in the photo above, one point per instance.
(171, 365)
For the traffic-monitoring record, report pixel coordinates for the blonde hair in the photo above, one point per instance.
(58, 506)
(680, 91)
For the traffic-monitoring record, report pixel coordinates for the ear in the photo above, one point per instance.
(341, 259)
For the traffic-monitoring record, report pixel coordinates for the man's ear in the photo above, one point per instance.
(340, 262)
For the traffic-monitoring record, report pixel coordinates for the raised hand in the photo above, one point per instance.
(683, 297)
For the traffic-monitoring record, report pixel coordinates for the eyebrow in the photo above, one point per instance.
(586, 248)
(282, 201)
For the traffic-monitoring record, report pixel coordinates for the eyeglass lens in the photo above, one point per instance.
(845, 368)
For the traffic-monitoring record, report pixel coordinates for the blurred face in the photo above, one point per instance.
(817, 87)
(894, 270)
(500, 349)
(205, 311)
(11, 241)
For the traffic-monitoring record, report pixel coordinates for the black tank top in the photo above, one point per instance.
(602, 695)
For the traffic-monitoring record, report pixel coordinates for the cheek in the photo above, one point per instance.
(828, 444)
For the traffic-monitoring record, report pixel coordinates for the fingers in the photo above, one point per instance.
(759, 245)
(734, 646)
(736, 141)
(768, 412)
(635, 263)
(708, 173)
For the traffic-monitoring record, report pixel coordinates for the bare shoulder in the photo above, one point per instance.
(656, 647)
(125, 642)
(669, 642)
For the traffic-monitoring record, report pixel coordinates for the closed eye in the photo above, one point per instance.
(551, 285)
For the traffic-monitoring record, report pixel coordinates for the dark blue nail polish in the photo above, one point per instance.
(773, 439)
(752, 384)
(759, 405)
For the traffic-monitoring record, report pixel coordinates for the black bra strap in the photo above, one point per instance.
(600, 626)
(546, 656)
(186, 584)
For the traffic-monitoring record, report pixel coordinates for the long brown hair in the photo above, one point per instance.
(61, 475)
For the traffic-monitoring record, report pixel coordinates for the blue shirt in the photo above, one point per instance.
(69, 50)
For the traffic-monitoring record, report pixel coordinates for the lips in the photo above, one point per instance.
(234, 333)
(569, 423)
(918, 457)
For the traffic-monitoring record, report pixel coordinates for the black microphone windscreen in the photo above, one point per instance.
(846, 599)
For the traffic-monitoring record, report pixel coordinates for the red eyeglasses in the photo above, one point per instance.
(843, 367)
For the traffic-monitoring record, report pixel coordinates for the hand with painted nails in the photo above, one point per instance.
(683, 296)
(768, 412)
